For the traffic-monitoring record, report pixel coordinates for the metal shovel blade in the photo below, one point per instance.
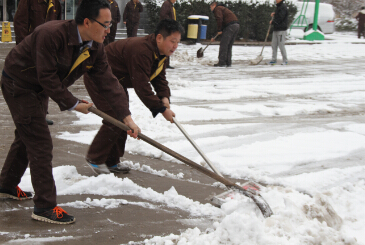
(257, 60)
(218, 200)
(200, 53)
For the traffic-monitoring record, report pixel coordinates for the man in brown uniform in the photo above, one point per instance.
(114, 8)
(32, 13)
(228, 27)
(167, 11)
(131, 17)
(360, 27)
(43, 65)
(137, 62)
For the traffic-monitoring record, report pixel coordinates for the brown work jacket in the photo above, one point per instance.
(361, 18)
(114, 9)
(223, 17)
(134, 61)
(49, 60)
(32, 13)
(167, 11)
(131, 12)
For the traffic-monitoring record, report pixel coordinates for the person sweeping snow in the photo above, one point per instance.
(280, 23)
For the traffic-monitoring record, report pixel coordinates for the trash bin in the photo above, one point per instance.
(193, 31)
(196, 29)
(203, 31)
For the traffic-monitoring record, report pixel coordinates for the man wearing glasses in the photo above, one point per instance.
(43, 65)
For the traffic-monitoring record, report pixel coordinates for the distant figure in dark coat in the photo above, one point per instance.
(168, 11)
(114, 8)
(361, 18)
(131, 17)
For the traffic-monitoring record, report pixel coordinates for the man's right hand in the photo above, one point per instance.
(168, 115)
(83, 106)
(134, 128)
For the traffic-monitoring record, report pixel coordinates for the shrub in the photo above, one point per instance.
(253, 16)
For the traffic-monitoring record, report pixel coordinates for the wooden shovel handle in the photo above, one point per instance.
(268, 31)
(210, 42)
(163, 148)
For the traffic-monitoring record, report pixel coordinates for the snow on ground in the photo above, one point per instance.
(298, 128)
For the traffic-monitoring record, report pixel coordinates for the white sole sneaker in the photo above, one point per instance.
(99, 169)
(44, 219)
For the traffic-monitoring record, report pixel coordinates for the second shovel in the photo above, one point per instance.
(196, 146)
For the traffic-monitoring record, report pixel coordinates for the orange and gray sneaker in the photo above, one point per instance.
(54, 215)
(15, 193)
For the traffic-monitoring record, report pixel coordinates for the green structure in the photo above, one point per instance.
(301, 20)
(315, 35)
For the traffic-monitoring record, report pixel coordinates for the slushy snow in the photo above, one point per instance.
(299, 129)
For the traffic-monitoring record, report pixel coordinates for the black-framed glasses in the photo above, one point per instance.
(105, 27)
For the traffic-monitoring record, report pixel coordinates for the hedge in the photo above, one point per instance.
(254, 17)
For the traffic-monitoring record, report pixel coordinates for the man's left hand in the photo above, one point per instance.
(83, 106)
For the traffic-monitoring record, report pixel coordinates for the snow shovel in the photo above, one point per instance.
(260, 57)
(248, 192)
(221, 198)
(200, 52)
(196, 147)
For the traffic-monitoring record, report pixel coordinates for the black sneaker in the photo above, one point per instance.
(49, 122)
(118, 168)
(219, 65)
(16, 193)
(54, 215)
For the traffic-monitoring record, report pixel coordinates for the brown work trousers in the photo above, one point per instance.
(32, 144)
(360, 30)
(109, 143)
(132, 29)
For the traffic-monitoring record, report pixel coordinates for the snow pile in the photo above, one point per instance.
(297, 128)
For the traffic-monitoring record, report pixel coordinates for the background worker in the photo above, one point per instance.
(228, 27)
(42, 66)
(168, 11)
(360, 26)
(32, 13)
(114, 9)
(280, 23)
(137, 62)
(10, 6)
(131, 16)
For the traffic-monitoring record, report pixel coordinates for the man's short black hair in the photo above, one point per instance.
(167, 27)
(90, 9)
